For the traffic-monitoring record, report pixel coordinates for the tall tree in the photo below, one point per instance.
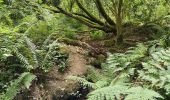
(108, 21)
(106, 15)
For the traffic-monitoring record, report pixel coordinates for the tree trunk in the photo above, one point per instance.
(106, 23)
(119, 18)
(119, 35)
(119, 40)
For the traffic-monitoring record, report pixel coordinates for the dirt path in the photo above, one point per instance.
(77, 60)
(57, 86)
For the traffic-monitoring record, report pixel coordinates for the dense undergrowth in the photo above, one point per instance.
(22, 59)
(141, 73)
(28, 50)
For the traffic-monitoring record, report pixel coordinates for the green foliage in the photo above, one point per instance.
(148, 11)
(97, 35)
(67, 27)
(83, 81)
(156, 70)
(139, 93)
(22, 55)
(23, 59)
(164, 41)
(118, 92)
(119, 62)
(107, 93)
(23, 31)
(141, 73)
(24, 81)
(1, 1)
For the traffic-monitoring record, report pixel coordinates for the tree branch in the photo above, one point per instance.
(103, 12)
(84, 21)
(94, 19)
(82, 15)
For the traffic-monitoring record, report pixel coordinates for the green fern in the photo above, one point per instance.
(32, 48)
(48, 56)
(82, 81)
(138, 66)
(24, 81)
(29, 57)
(118, 92)
(139, 93)
(156, 69)
(117, 62)
(22, 59)
(107, 93)
(113, 84)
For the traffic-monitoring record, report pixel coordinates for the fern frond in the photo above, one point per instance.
(101, 84)
(48, 39)
(94, 74)
(32, 48)
(118, 61)
(139, 93)
(83, 81)
(22, 59)
(138, 66)
(24, 81)
(156, 69)
(48, 56)
(120, 91)
(4, 53)
(108, 93)
(139, 49)
(167, 88)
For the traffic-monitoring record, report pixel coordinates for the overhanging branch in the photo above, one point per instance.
(94, 19)
(103, 12)
(84, 21)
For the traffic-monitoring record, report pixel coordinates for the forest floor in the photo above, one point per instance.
(83, 52)
(56, 85)
(107, 45)
(61, 87)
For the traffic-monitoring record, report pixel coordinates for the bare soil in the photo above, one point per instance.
(56, 85)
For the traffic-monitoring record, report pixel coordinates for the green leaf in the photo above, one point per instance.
(107, 93)
(24, 81)
(139, 93)
(27, 79)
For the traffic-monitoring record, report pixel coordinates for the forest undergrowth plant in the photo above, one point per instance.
(24, 81)
(22, 61)
(141, 73)
(23, 58)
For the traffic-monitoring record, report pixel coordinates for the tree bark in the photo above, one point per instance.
(103, 12)
(119, 18)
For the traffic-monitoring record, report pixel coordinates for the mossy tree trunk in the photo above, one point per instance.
(119, 19)
(109, 23)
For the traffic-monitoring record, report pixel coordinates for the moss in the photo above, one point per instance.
(109, 43)
(69, 41)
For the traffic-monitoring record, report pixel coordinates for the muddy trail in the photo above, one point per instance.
(56, 85)
(82, 52)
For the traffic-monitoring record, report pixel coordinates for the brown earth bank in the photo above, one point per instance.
(56, 85)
